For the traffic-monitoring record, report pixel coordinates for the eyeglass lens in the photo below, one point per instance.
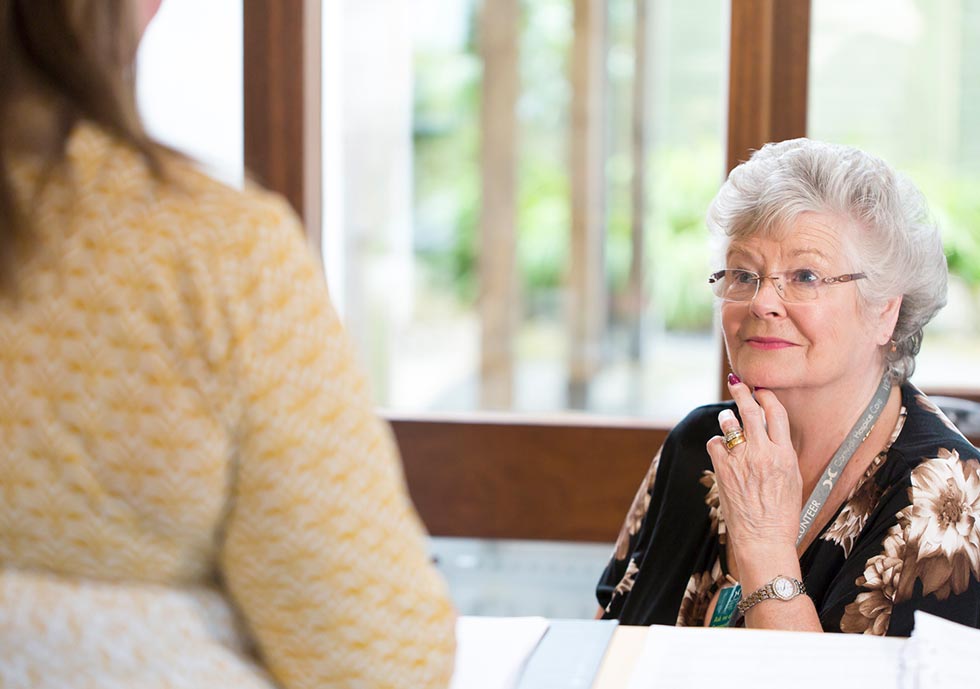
(741, 285)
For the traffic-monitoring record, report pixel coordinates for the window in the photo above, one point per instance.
(189, 82)
(457, 306)
(901, 78)
(484, 474)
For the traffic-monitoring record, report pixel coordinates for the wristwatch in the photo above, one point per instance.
(781, 588)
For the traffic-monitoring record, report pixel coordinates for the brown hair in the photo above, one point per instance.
(76, 57)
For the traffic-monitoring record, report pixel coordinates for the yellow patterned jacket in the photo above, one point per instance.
(194, 490)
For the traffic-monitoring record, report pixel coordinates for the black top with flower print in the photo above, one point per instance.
(907, 538)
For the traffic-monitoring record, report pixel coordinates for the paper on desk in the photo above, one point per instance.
(683, 657)
(941, 653)
(492, 651)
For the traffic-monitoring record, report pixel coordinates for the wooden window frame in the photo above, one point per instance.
(493, 475)
(281, 92)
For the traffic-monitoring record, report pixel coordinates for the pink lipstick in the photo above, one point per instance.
(769, 343)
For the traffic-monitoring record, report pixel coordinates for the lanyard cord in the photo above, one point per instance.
(858, 434)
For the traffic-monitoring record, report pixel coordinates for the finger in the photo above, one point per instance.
(718, 452)
(777, 420)
(727, 421)
(732, 430)
(753, 418)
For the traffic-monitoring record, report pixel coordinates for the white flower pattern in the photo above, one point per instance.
(713, 501)
(700, 590)
(871, 611)
(625, 584)
(852, 518)
(637, 511)
(944, 524)
(935, 541)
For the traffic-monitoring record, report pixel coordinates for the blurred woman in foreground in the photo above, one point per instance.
(195, 489)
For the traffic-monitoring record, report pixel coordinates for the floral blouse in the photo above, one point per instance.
(907, 538)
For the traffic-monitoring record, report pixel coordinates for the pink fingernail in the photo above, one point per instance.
(733, 379)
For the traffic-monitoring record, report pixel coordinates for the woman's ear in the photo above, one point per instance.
(887, 318)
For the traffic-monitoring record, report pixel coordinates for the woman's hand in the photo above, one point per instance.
(761, 493)
(759, 482)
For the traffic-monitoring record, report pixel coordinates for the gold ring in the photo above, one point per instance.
(734, 437)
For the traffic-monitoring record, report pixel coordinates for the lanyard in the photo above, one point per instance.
(858, 434)
(728, 598)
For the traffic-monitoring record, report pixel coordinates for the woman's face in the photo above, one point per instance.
(777, 345)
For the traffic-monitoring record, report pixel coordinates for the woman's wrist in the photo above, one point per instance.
(758, 565)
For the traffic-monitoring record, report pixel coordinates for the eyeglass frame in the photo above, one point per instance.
(837, 280)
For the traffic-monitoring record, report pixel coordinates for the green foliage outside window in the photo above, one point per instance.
(682, 180)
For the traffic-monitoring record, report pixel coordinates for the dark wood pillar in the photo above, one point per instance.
(281, 62)
(767, 82)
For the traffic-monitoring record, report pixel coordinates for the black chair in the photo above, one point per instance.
(965, 414)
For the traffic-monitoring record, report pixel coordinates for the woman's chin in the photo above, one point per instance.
(754, 382)
(763, 379)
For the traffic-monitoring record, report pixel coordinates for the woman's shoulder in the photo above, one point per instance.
(184, 200)
(928, 433)
(220, 211)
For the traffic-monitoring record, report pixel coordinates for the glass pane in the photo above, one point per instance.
(189, 82)
(901, 78)
(402, 151)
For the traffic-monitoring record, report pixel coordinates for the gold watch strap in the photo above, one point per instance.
(768, 592)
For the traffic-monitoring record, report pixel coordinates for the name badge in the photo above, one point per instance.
(728, 599)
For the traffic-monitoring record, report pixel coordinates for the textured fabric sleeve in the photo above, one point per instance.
(323, 552)
(923, 553)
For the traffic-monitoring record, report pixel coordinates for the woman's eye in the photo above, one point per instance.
(804, 276)
(743, 276)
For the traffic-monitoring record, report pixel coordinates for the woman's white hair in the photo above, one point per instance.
(897, 242)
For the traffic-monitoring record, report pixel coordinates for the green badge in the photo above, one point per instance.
(728, 599)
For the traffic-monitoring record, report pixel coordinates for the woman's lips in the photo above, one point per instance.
(768, 343)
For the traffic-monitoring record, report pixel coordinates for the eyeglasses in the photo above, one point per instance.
(793, 286)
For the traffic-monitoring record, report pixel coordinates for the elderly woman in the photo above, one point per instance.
(831, 494)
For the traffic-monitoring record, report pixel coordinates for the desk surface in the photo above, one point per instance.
(617, 665)
(674, 655)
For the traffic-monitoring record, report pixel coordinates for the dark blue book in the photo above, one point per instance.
(569, 655)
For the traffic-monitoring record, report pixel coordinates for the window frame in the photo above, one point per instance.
(494, 475)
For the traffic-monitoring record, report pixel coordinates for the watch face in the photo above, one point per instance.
(784, 588)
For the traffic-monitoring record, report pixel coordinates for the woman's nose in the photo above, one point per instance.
(776, 283)
(769, 296)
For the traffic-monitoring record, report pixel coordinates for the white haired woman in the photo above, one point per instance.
(831, 494)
